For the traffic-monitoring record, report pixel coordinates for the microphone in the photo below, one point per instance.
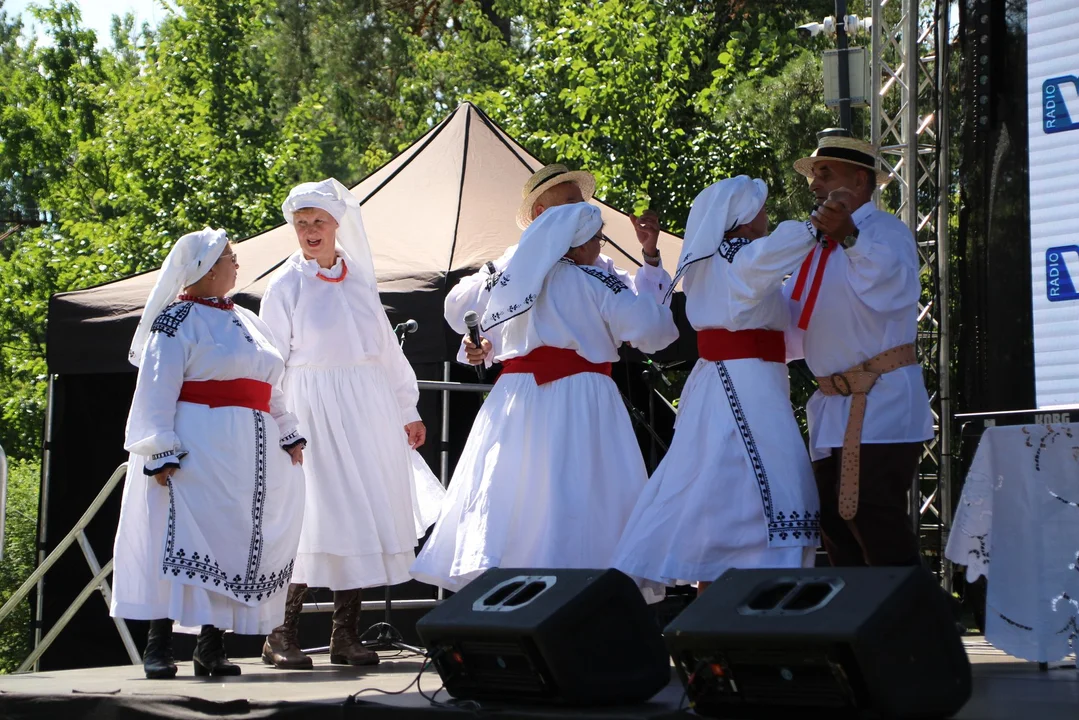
(820, 233)
(406, 328)
(472, 322)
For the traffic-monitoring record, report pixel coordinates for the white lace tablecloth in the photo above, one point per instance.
(1019, 514)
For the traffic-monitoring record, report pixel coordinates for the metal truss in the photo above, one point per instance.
(909, 123)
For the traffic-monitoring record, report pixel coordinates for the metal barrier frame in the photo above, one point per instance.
(99, 582)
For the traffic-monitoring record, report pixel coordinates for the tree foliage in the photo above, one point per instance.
(18, 561)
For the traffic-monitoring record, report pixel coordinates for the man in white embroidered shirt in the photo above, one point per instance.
(854, 301)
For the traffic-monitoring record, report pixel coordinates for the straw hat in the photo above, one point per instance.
(837, 145)
(546, 178)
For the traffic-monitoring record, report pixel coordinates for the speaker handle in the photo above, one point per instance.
(791, 596)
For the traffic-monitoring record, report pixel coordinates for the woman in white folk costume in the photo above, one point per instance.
(551, 186)
(348, 381)
(214, 496)
(737, 478)
(551, 469)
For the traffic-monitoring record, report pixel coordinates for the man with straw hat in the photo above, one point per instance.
(854, 301)
(551, 186)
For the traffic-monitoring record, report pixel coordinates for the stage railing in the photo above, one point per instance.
(99, 582)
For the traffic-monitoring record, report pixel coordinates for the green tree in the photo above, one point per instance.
(637, 92)
(18, 562)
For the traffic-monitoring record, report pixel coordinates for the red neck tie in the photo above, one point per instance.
(814, 289)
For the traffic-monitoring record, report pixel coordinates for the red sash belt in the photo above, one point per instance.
(814, 288)
(547, 364)
(718, 344)
(253, 394)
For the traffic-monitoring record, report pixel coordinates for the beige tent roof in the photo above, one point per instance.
(434, 213)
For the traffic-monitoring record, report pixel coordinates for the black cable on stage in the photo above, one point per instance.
(415, 681)
(428, 659)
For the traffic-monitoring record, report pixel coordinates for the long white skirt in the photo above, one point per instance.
(547, 479)
(736, 488)
(217, 546)
(369, 495)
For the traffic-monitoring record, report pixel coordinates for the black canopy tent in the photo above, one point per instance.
(433, 214)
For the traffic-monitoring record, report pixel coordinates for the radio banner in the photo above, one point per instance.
(1053, 112)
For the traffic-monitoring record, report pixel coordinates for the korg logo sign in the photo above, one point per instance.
(1060, 104)
(1058, 279)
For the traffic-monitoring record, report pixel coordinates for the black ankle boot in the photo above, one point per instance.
(209, 657)
(157, 660)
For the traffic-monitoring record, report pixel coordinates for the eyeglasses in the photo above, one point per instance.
(602, 239)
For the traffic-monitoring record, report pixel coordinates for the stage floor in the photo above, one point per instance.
(1003, 688)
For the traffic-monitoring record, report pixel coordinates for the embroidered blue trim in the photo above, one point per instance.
(782, 524)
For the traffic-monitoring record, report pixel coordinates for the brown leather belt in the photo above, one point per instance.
(856, 383)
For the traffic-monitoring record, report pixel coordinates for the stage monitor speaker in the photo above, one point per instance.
(573, 637)
(825, 642)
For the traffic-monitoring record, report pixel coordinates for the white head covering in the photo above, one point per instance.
(542, 245)
(335, 198)
(717, 210)
(190, 258)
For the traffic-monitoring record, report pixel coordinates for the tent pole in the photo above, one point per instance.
(43, 511)
(444, 451)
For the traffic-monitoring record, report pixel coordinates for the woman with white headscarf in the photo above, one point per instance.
(350, 384)
(552, 468)
(735, 490)
(213, 501)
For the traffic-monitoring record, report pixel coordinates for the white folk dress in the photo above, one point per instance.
(217, 545)
(736, 489)
(471, 293)
(868, 303)
(550, 473)
(352, 388)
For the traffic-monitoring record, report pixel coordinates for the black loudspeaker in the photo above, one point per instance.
(826, 642)
(574, 637)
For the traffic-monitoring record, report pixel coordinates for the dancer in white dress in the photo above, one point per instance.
(355, 393)
(213, 502)
(551, 469)
(736, 488)
(551, 186)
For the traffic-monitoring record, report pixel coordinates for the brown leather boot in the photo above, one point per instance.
(345, 647)
(282, 646)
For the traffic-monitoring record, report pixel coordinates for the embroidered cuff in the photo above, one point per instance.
(160, 461)
(811, 230)
(292, 439)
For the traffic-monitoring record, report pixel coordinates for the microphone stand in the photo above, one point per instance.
(389, 637)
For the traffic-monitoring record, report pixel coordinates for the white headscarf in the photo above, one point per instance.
(717, 210)
(189, 259)
(542, 245)
(335, 198)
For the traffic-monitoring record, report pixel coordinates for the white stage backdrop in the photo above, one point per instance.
(1053, 110)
